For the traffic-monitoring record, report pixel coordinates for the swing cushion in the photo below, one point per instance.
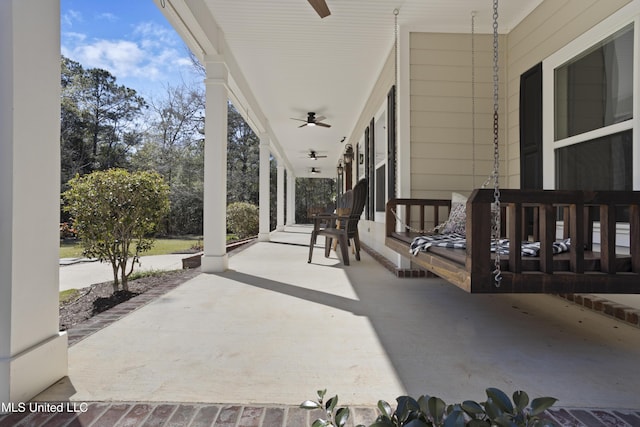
(457, 221)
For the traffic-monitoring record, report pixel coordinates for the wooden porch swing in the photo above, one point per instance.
(592, 224)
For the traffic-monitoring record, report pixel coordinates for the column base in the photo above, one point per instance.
(27, 374)
(214, 263)
(264, 237)
(280, 228)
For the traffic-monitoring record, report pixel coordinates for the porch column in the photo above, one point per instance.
(280, 197)
(33, 354)
(264, 197)
(291, 198)
(215, 258)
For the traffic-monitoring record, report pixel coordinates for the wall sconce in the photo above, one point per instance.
(348, 154)
(340, 169)
(361, 158)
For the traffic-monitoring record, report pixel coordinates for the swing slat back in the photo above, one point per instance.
(598, 220)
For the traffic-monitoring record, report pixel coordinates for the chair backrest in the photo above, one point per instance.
(346, 200)
(360, 192)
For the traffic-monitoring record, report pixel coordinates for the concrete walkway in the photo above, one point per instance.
(76, 273)
(274, 329)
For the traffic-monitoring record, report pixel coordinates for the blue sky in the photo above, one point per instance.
(129, 38)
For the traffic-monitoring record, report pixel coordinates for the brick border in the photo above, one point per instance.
(623, 313)
(190, 414)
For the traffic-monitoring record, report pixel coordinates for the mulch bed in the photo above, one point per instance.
(100, 297)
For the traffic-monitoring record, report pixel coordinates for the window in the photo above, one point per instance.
(589, 102)
(595, 89)
(380, 161)
(600, 164)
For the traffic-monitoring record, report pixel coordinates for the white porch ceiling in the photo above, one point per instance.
(291, 62)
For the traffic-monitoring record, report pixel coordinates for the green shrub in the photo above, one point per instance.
(115, 213)
(498, 410)
(243, 219)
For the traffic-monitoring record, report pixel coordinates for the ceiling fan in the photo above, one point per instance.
(313, 155)
(312, 120)
(320, 6)
(314, 171)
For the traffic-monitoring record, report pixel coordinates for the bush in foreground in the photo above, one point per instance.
(497, 410)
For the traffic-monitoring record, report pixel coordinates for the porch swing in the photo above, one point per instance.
(523, 241)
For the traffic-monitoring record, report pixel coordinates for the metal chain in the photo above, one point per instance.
(473, 99)
(496, 226)
(394, 165)
(416, 230)
(396, 12)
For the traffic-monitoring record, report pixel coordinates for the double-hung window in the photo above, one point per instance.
(589, 142)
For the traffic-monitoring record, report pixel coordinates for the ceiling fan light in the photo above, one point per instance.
(311, 124)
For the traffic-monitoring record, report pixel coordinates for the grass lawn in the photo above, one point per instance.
(160, 247)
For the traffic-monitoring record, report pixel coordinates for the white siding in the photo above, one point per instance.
(442, 146)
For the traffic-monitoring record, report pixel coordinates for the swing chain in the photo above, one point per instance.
(408, 227)
(496, 226)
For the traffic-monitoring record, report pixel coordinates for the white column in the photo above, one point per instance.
(264, 197)
(215, 258)
(33, 354)
(291, 198)
(280, 197)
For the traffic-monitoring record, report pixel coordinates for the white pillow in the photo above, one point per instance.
(457, 221)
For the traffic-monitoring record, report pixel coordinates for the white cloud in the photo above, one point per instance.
(127, 59)
(153, 35)
(108, 17)
(70, 17)
(153, 55)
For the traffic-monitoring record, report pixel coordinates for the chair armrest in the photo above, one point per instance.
(318, 219)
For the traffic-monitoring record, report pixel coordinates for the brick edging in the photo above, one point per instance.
(191, 414)
(398, 272)
(623, 313)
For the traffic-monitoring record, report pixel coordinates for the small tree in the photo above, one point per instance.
(243, 219)
(115, 214)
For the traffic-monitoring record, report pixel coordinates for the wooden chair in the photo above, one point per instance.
(348, 225)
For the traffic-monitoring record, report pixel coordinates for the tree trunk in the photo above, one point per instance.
(124, 276)
(116, 283)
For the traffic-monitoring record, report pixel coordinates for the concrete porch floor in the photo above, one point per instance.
(274, 329)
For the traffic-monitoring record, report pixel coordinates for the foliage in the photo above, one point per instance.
(99, 120)
(314, 195)
(243, 219)
(115, 213)
(174, 146)
(67, 231)
(498, 410)
(243, 160)
(67, 295)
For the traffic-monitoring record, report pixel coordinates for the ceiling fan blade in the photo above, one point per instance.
(319, 119)
(323, 125)
(320, 6)
(300, 120)
(303, 125)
